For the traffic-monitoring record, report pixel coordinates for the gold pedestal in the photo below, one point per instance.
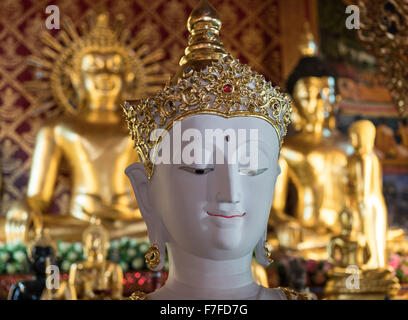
(361, 285)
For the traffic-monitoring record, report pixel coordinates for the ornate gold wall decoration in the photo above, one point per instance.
(384, 33)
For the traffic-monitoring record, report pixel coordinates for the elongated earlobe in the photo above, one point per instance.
(156, 231)
(138, 180)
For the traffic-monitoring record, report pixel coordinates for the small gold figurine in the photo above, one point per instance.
(347, 248)
(96, 278)
(349, 279)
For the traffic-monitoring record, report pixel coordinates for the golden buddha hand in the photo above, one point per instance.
(88, 290)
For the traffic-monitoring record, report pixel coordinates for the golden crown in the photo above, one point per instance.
(210, 82)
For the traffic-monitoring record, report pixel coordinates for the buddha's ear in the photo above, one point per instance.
(139, 181)
(157, 233)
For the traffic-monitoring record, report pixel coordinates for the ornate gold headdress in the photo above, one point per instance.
(210, 82)
(57, 77)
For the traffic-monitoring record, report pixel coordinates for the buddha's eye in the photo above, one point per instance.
(251, 172)
(199, 171)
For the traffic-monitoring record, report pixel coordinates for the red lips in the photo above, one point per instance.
(228, 217)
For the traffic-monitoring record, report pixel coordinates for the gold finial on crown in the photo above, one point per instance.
(204, 42)
(210, 81)
(308, 46)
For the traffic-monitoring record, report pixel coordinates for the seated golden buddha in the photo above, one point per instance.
(348, 248)
(352, 277)
(95, 278)
(99, 67)
(310, 189)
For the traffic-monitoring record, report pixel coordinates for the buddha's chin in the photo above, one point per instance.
(226, 238)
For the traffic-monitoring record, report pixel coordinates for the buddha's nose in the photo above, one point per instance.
(228, 187)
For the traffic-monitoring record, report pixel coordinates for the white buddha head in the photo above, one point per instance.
(209, 145)
(208, 208)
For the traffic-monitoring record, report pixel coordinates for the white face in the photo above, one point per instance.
(214, 210)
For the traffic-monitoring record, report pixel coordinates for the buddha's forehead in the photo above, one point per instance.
(108, 54)
(248, 126)
(108, 59)
(211, 140)
(219, 140)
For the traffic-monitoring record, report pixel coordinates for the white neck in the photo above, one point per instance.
(192, 277)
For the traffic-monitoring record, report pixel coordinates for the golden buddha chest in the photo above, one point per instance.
(98, 154)
(318, 174)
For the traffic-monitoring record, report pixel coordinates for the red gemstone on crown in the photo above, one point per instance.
(227, 88)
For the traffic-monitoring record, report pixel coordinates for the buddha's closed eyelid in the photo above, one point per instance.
(198, 171)
(251, 172)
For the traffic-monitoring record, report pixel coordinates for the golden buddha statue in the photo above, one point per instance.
(349, 253)
(364, 261)
(95, 278)
(348, 248)
(313, 162)
(365, 178)
(89, 75)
